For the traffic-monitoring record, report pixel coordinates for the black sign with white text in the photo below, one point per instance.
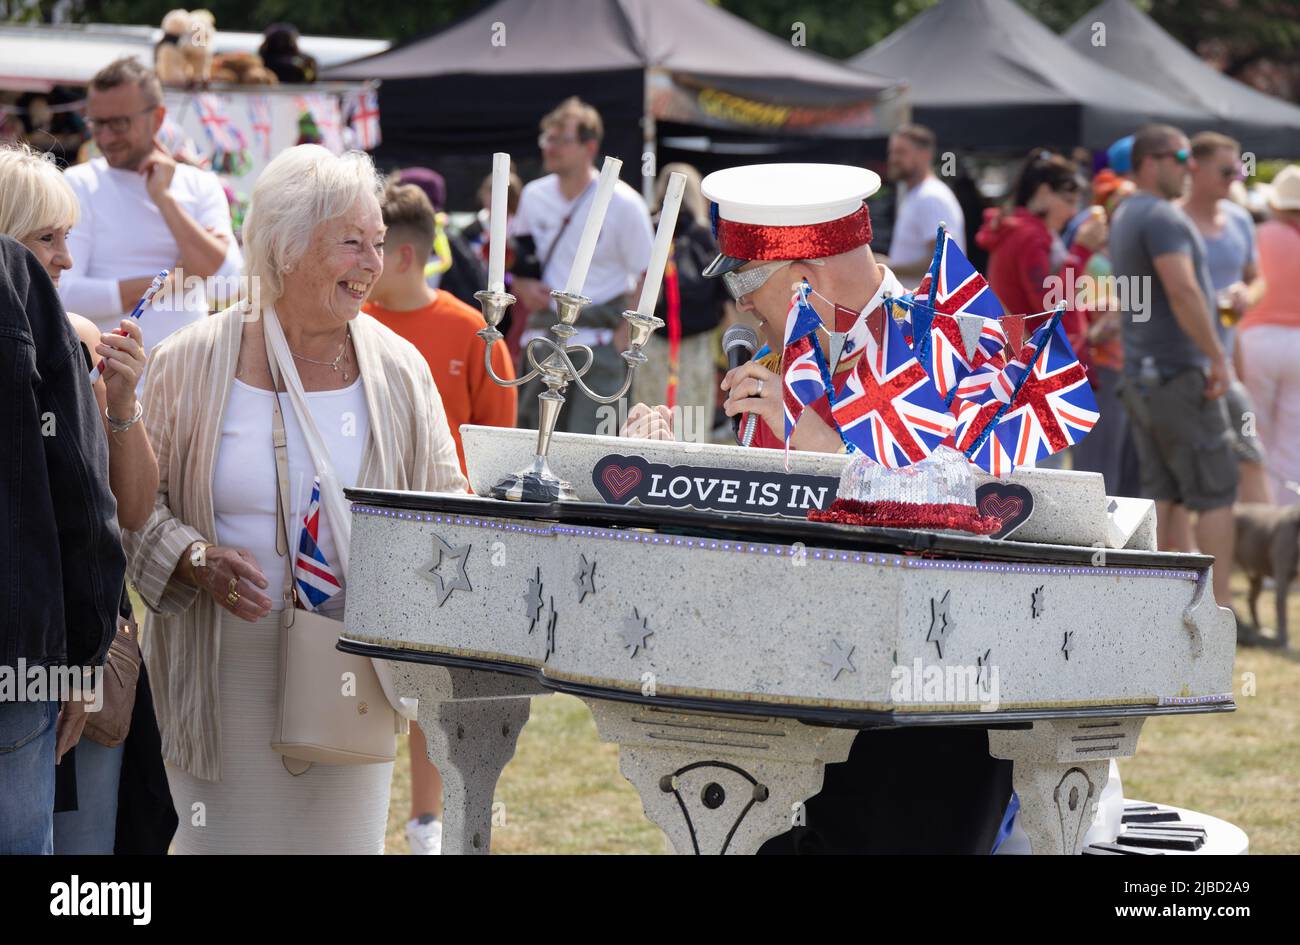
(623, 479)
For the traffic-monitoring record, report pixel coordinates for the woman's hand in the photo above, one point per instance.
(234, 580)
(68, 729)
(752, 388)
(124, 359)
(649, 423)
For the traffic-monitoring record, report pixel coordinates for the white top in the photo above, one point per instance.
(920, 211)
(622, 252)
(243, 482)
(789, 194)
(121, 234)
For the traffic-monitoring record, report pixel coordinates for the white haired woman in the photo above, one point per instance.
(359, 407)
(38, 208)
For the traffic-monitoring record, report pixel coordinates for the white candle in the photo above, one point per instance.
(654, 274)
(497, 236)
(587, 246)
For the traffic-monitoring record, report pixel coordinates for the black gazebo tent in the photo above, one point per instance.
(985, 75)
(1136, 46)
(678, 73)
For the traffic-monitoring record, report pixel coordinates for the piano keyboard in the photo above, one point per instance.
(1151, 829)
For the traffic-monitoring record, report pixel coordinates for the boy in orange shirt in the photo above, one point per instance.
(442, 327)
(437, 322)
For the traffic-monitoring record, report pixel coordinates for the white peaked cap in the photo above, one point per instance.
(789, 194)
(788, 211)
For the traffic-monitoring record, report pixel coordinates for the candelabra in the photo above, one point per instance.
(536, 483)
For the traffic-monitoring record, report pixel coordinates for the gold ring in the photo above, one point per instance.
(232, 598)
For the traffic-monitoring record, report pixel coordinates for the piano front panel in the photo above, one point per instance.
(733, 623)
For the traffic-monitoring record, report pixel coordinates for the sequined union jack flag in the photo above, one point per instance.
(888, 408)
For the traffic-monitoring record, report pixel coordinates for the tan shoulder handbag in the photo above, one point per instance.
(332, 709)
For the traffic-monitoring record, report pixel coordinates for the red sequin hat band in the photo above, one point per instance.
(810, 241)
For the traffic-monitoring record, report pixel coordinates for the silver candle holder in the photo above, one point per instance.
(536, 482)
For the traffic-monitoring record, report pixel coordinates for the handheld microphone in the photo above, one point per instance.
(739, 342)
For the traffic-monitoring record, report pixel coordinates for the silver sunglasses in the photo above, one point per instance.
(742, 282)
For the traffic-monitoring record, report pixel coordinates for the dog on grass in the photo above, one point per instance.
(1268, 545)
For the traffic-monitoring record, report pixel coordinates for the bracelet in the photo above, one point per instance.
(121, 426)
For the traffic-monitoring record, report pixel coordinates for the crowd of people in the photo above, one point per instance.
(350, 358)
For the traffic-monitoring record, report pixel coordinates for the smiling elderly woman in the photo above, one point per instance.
(359, 407)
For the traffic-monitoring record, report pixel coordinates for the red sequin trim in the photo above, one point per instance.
(907, 515)
(813, 241)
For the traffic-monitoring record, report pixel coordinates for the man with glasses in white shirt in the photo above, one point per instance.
(141, 212)
(548, 227)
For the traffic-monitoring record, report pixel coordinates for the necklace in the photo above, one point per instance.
(333, 364)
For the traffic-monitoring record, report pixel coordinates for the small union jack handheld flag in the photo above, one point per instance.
(317, 580)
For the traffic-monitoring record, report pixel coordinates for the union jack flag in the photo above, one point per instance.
(949, 363)
(889, 408)
(225, 137)
(988, 454)
(365, 119)
(324, 111)
(953, 287)
(975, 416)
(1054, 407)
(804, 380)
(317, 580)
(259, 117)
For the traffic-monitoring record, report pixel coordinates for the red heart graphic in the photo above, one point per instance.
(620, 480)
(1002, 508)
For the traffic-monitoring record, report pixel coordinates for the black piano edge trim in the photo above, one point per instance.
(751, 527)
(811, 715)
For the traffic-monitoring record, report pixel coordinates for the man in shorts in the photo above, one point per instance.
(1175, 368)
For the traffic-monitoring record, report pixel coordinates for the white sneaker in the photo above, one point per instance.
(424, 839)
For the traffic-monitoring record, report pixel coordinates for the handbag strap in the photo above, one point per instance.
(577, 205)
(280, 442)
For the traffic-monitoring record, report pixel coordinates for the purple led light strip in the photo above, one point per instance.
(779, 551)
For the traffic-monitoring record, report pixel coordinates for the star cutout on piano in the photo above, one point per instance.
(634, 632)
(533, 600)
(442, 553)
(981, 663)
(549, 622)
(1068, 645)
(941, 622)
(585, 578)
(838, 659)
(1036, 602)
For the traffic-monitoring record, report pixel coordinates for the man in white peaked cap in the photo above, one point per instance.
(924, 789)
(778, 225)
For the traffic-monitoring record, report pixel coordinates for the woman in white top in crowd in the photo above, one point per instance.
(206, 563)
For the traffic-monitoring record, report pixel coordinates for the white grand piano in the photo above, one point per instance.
(732, 655)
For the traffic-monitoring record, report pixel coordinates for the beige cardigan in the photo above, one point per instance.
(188, 384)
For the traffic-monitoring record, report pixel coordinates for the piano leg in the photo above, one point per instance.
(719, 783)
(471, 721)
(1059, 770)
